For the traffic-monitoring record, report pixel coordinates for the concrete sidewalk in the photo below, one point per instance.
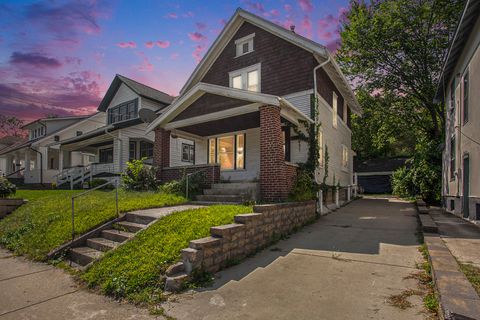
(345, 266)
(461, 237)
(31, 290)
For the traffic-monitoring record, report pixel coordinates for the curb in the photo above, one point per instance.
(457, 298)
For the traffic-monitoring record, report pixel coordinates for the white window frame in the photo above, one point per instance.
(244, 74)
(334, 110)
(320, 148)
(239, 45)
(345, 158)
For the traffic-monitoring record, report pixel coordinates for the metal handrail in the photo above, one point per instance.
(11, 174)
(115, 183)
(188, 175)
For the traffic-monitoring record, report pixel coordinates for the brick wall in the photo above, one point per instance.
(161, 148)
(290, 176)
(212, 173)
(272, 160)
(250, 232)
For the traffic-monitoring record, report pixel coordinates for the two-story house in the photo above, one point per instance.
(241, 105)
(36, 160)
(457, 89)
(118, 137)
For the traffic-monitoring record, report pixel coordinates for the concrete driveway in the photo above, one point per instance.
(345, 266)
(31, 290)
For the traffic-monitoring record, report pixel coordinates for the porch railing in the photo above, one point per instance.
(114, 183)
(80, 174)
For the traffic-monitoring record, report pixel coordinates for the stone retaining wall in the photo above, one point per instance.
(250, 232)
(8, 205)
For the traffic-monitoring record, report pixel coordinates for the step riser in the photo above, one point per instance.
(99, 246)
(235, 185)
(139, 219)
(233, 192)
(219, 198)
(130, 228)
(114, 236)
(80, 259)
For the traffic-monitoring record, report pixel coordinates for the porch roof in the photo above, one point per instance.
(251, 102)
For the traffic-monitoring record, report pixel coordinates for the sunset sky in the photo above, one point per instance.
(59, 57)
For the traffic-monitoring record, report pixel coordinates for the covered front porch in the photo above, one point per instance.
(237, 137)
(102, 153)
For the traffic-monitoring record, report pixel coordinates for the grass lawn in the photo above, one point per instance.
(473, 275)
(44, 222)
(134, 271)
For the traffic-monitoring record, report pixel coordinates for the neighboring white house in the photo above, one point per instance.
(37, 159)
(459, 91)
(119, 135)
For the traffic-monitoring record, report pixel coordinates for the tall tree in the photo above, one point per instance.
(397, 47)
(11, 126)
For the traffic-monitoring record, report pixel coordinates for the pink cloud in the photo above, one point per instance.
(149, 44)
(145, 66)
(223, 22)
(326, 35)
(172, 15)
(129, 44)
(197, 36)
(197, 54)
(163, 44)
(328, 22)
(287, 7)
(306, 27)
(274, 12)
(306, 5)
(33, 59)
(256, 6)
(189, 14)
(201, 26)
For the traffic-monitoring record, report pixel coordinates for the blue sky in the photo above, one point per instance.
(59, 57)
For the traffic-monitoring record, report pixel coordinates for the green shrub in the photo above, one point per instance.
(6, 188)
(139, 177)
(196, 184)
(305, 188)
(402, 185)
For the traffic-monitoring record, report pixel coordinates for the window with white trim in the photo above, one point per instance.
(320, 148)
(345, 156)
(244, 45)
(246, 79)
(188, 153)
(334, 112)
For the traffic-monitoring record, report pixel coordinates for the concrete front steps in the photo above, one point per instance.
(231, 192)
(109, 239)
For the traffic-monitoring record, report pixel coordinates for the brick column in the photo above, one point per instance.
(272, 160)
(161, 150)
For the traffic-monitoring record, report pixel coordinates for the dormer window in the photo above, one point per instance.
(247, 78)
(244, 45)
(124, 111)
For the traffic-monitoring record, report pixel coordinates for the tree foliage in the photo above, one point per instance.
(393, 51)
(11, 126)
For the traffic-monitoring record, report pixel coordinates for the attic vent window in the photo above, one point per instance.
(244, 45)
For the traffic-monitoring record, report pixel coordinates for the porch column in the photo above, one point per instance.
(161, 150)
(60, 159)
(27, 163)
(272, 159)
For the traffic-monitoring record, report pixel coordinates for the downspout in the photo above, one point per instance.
(41, 164)
(315, 91)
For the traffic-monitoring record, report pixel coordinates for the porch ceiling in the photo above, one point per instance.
(232, 124)
(93, 142)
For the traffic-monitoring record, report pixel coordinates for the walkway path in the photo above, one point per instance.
(345, 266)
(31, 290)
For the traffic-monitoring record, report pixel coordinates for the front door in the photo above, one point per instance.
(466, 185)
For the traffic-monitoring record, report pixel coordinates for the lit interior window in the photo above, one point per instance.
(241, 151)
(225, 152)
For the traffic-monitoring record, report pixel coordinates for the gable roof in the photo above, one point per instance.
(202, 88)
(469, 17)
(52, 119)
(320, 52)
(137, 87)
